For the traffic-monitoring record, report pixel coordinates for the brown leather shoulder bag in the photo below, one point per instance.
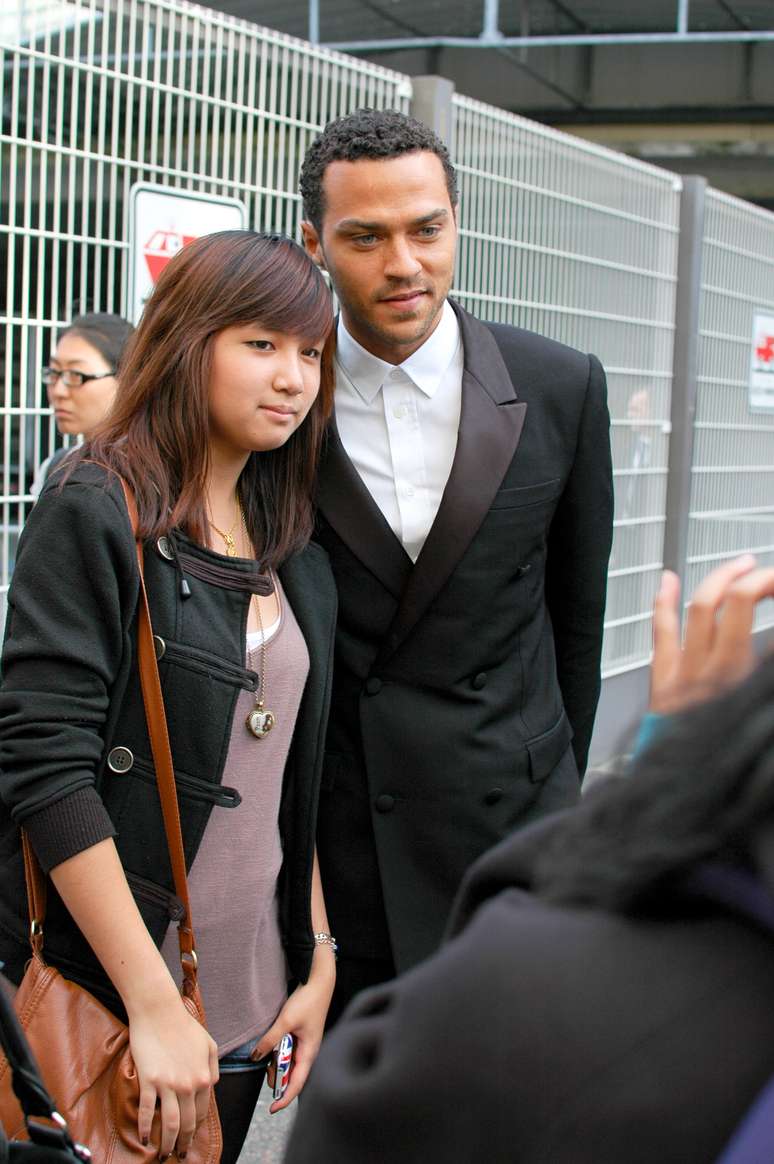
(83, 1049)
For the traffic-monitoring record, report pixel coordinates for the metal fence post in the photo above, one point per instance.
(685, 369)
(431, 103)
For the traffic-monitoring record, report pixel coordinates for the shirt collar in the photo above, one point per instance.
(425, 368)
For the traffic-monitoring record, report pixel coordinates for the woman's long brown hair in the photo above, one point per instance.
(157, 435)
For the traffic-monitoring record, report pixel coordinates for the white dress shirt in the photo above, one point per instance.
(399, 424)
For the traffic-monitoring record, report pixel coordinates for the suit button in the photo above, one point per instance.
(373, 686)
(120, 760)
(493, 795)
(385, 802)
(164, 547)
(479, 681)
(159, 646)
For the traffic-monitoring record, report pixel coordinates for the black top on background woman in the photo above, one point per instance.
(226, 387)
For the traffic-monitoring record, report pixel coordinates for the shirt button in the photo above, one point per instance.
(493, 795)
(409, 491)
(479, 681)
(396, 374)
(399, 412)
(120, 760)
(373, 686)
(384, 803)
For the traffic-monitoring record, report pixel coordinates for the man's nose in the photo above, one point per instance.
(401, 262)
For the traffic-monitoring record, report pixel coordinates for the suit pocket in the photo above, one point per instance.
(527, 495)
(546, 750)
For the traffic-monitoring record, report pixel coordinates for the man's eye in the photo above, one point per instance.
(365, 240)
(429, 231)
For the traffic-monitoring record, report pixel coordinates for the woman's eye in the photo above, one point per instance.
(260, 345)
(313, 353)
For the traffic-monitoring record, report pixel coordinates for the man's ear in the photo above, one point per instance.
(312, 244)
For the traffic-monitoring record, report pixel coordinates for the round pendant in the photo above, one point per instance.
(260, 722)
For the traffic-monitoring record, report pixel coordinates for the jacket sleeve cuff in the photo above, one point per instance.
(68, 826)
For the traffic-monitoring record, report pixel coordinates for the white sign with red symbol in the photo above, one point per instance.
(762, 364)
(161, 221)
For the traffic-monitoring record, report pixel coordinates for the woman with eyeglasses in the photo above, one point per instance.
(81, 379)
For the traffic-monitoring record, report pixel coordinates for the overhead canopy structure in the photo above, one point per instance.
(686, 83)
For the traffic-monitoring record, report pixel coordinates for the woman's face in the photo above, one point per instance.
(80, 409)
(262, 385)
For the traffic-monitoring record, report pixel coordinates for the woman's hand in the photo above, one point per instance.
(717, 649)
(175, 1058)
(176, 1063)
(303, 1016)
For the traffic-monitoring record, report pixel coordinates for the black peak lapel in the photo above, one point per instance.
(350, 510)
(491, 422)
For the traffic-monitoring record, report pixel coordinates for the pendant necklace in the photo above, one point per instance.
(260, 721)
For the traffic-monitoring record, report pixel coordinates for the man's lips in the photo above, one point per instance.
(405, 297)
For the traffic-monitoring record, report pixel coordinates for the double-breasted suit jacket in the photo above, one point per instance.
(465, 684)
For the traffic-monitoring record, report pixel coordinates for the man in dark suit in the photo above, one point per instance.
(465, 501)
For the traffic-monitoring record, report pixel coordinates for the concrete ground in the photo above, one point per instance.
(265, 1143)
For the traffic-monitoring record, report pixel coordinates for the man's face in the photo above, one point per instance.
(388, 239)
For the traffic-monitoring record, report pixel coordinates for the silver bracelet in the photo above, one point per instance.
(323, 939)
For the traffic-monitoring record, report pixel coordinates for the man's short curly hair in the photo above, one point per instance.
(367, 133)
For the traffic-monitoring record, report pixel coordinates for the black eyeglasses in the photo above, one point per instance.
(70, 377)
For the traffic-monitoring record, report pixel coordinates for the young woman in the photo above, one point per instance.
(81, 379)
(226, 387)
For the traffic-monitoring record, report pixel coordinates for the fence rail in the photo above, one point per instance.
(556, 234)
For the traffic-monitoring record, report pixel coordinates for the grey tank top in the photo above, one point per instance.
(233, 880)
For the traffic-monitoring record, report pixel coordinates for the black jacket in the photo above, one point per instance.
(465, 685)
(74, 751)
(552, 1035)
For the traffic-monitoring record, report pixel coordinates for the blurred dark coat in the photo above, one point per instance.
(551, 1035)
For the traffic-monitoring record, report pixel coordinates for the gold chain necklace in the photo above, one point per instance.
(260, 720)
(228, 538)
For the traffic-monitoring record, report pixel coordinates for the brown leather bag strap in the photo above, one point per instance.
(165, 779)
(162, 752)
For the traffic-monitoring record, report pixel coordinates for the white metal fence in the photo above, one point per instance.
(557, 235)
(99, 94)
(732, 488)
(579, 243)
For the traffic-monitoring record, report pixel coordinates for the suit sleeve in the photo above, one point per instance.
(579, 546)
(72, 595)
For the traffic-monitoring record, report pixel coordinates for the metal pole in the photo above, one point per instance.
(314, 21)
(682, 17)
(684, 373)
(431, 102)
(490, 29)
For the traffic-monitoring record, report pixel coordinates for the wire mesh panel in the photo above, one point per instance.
(100, 94)
(732, 484)
(580, 244)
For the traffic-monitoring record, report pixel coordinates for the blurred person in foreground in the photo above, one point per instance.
(81, 380)
(607, 995)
